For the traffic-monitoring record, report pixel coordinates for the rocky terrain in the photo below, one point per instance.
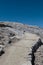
(23, 27)
(16, 42)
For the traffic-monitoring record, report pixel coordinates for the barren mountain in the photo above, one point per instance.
(16, 43)
(23, 27)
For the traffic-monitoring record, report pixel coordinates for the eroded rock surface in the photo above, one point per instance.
(17, 41)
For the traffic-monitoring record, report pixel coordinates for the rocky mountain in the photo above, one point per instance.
(21, 38)
(19, 27)
(12, 31)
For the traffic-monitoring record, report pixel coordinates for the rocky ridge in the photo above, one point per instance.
(26, 28)
(11, 32)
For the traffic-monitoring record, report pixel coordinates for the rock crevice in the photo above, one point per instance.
(34, 50)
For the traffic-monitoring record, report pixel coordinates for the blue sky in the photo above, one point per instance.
(24, 11)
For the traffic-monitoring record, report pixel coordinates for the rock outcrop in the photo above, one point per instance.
(22, 27)
(37, 52)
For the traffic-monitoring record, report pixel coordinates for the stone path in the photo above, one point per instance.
(17, 54)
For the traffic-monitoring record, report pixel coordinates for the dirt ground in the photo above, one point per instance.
(17, 54)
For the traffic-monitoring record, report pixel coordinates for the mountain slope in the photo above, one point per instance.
(17, 40)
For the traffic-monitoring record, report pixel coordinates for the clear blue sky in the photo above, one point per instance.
(24, 11)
